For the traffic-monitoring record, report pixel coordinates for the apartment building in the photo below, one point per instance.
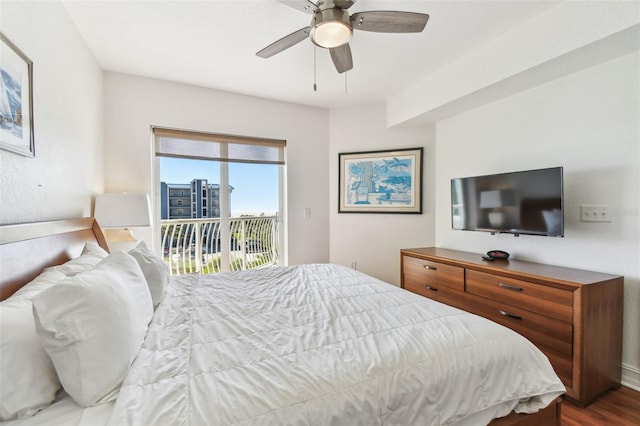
(195, 200)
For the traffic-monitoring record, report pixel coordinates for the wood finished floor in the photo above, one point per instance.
(620, 407)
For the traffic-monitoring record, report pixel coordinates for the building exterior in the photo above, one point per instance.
(196, 200)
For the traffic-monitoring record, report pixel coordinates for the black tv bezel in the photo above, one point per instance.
(515, 233)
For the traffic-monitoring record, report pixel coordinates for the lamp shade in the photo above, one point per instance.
(123, 210)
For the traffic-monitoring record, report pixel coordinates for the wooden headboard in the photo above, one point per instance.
(27, 248)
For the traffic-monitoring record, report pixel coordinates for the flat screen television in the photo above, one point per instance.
(525, 202)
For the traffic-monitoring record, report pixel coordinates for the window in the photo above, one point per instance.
(246, 160)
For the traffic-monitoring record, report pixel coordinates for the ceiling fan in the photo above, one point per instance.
(332, 27)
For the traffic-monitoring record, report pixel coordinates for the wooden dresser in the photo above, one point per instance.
(573, 316)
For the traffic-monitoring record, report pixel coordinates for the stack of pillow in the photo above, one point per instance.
(79, 325)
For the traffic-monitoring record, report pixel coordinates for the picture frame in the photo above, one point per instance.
(387, 181)
(16, 100)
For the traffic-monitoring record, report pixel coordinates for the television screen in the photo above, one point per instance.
(524, 202)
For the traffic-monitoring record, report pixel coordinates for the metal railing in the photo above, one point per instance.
(193, 245)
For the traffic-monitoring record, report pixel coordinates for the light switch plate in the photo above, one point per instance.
(595, 213)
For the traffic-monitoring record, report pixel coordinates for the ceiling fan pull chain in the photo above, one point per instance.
(315, 87)
(345, 82)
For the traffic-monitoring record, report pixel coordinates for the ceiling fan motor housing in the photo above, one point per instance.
(331, 28)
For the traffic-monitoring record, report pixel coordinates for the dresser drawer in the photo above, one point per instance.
(554, 338)
(554, 302)
(436, 275)
(442, 294)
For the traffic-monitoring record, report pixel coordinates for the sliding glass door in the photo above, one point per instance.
(218, 212)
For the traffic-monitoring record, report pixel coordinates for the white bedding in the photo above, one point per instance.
(324, 345)
(64, 411)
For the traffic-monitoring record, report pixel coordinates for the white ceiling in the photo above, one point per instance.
(213, 44)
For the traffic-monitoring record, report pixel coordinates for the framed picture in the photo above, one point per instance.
(380, 181)
(16, 99)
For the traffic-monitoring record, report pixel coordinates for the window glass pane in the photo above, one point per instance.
(211, 232)
(255, 189)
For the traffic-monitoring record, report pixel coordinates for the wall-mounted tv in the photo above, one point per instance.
(524, 202)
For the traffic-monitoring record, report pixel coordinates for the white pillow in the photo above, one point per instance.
(93, 325)
(28, 380)
(91, 255)
(154, 269)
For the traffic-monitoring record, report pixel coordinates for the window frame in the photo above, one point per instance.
(158, 132)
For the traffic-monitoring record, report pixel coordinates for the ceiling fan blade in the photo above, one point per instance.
(306, 6)
(389, 21)
(344, 4)
(341, 57)
(284, 43)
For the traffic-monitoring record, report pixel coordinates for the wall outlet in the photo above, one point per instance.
(595, 213)
(353, 264)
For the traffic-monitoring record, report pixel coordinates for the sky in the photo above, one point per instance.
(255, 186)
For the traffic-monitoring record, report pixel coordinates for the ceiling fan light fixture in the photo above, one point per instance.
(331, 28)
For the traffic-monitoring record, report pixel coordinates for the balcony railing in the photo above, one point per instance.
(193, 245)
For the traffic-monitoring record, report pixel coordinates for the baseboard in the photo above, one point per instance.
(631, 377)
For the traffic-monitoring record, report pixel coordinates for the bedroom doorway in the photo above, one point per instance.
(219, 201)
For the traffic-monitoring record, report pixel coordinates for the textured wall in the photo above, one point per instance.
(67, 94)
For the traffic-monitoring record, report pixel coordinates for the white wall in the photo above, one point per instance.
(374, 240)
(589, 123)
(133, 104)
(67, 94)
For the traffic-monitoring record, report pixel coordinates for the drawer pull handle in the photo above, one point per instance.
(431, 268)
(509, 315)
(428, 287)
(510, 287)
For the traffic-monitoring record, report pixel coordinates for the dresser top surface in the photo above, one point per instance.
(511, 267)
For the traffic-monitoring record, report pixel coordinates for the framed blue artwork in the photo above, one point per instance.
(16, 99)
(387, 181)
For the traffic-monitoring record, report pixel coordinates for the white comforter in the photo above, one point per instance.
(324, 345)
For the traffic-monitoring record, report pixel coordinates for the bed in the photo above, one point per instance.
(302, 345)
